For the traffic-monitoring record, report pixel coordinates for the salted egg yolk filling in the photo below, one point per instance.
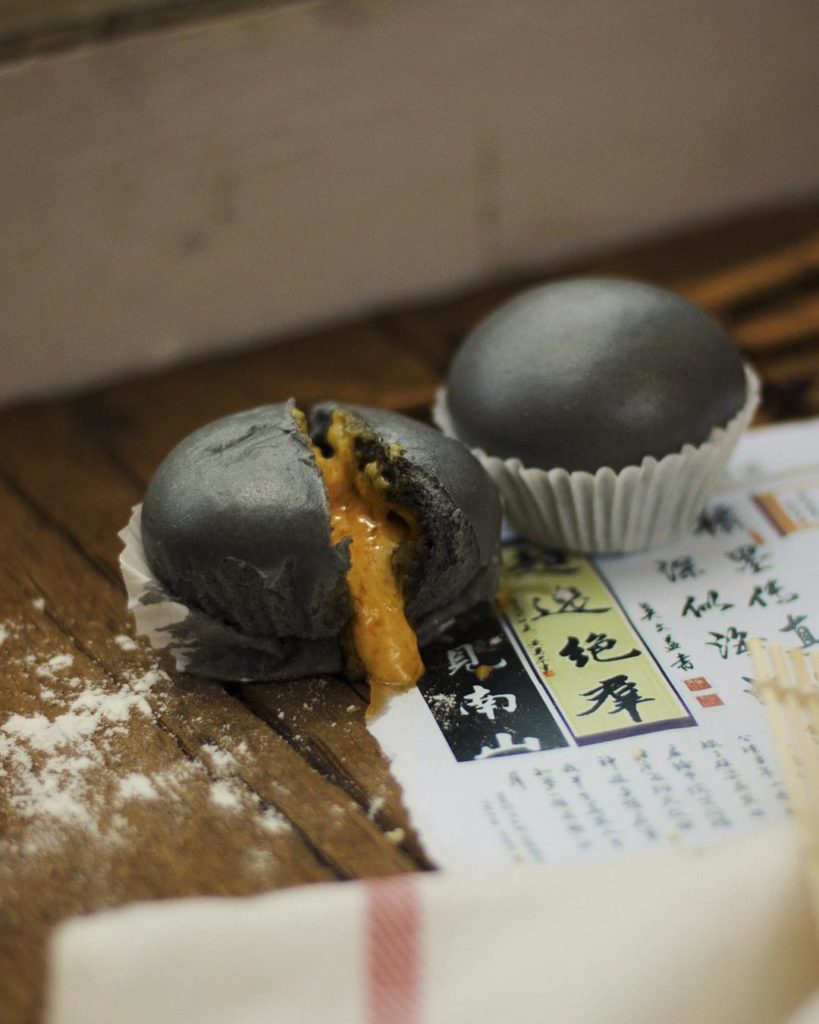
(384, 641)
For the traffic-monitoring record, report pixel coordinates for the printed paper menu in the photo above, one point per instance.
(605, 705)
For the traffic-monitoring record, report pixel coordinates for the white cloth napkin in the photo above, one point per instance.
(723, 935)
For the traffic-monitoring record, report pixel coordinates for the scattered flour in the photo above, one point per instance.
(272, 822)
(84, 716)
(137, 787)
(125, 643)
(445, 707)
(259, 860)
(55, 761)
(376, 805)
(39, 603)
(224, 795)
(55, 664)
(52, 763)
(221, 759)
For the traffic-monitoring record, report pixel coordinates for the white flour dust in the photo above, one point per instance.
(137, 787)
(53, 760)
(59, 663)
(57, 752)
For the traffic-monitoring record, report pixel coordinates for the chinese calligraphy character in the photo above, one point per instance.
(768, 590)
(621, 691)
(595, 644)
(723, 641)
(718, 519)
(486, 703)
(682, 568)
(683, 661)
(795, 624)
(712, 601)
(648, 612)
(748, 556)
(568, 599)
(463, 656)
(506, 746)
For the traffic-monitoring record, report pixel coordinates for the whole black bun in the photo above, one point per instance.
(593, 372)
(236, 525)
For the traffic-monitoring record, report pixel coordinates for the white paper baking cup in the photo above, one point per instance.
(636, 508)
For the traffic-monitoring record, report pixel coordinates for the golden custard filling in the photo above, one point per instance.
(382, 639)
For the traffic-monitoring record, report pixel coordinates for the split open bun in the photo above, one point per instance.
(236, 524)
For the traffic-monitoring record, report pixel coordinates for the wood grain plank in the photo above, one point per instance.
(74, 837)
(224, 778)
(29, 27)
(200, 714)
(323, 722)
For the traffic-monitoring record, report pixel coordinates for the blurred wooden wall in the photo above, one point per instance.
(177, 178)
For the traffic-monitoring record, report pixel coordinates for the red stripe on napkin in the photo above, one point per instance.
(393, 951)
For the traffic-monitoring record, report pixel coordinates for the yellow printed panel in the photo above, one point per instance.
(602, 678)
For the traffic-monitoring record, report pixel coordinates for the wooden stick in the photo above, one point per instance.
(745, 281)
(797, 322)
(792, 700)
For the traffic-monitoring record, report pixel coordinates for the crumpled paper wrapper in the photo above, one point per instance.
(638, 507)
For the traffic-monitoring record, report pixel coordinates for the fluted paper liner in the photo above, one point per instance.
(638, 507)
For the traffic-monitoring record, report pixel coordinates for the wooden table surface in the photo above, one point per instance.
(123, 780)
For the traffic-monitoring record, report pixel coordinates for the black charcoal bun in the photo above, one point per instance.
(236, 525)
(456, 562)
(593, 372)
